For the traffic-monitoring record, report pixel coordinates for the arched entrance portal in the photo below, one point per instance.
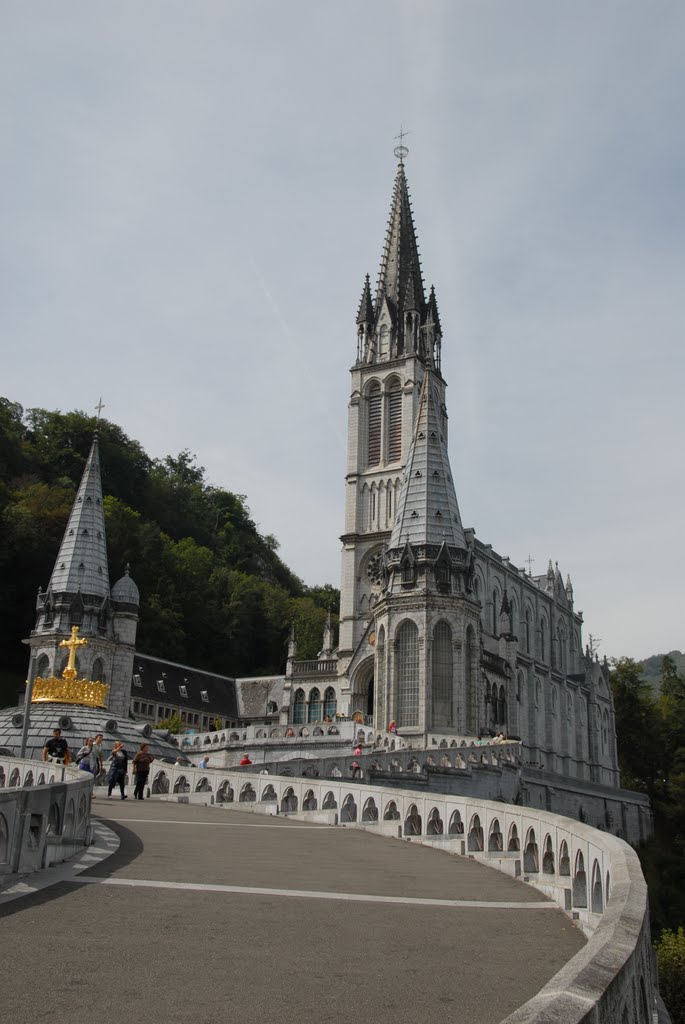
(363, 688)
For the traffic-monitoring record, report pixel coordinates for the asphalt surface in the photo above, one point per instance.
(332, 933)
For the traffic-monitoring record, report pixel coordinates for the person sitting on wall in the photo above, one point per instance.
(56, 749)
(204, 761)
(392, 728)
(245, 759)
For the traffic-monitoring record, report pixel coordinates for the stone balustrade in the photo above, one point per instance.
(44, 814)
(592, 875)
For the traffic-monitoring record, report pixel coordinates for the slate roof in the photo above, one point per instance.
(82, 560)
(220, 690)
(427, 511)
(254, 694)
(76, 723)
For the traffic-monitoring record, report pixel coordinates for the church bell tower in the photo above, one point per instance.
(405, 561)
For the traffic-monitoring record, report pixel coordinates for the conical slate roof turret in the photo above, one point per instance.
(427, 511)
(82, 560)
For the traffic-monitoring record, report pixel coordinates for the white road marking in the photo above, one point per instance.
(221, 824)
(310, 894)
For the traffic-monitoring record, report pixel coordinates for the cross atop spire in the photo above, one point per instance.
(401, 151)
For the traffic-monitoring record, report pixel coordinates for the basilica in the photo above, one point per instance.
(441, 639)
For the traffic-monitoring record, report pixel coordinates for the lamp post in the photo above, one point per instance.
(27, 712)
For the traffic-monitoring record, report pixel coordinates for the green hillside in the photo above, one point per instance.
(651, 667)
(214, 592)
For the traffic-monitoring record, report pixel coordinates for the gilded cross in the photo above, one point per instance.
(99, 407)
(72, 644)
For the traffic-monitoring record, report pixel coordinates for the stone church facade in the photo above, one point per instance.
(439, 633)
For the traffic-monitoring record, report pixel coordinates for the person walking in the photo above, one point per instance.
(97, 756)
(84, 758)
(116, 776)
(141, 769)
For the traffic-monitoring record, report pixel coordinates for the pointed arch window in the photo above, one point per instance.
(374, 425)
(442, 675)
(315, 705)
(407, 662)
(383, 342)
(298, 707)
(330, 703)
(395, 422)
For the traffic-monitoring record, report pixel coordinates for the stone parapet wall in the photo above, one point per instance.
(44, 815)
(592, 875)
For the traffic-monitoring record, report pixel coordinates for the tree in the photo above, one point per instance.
(638, 724)
(670, 950)
(173, 724)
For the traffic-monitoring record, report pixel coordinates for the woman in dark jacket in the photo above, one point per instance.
(141, 769)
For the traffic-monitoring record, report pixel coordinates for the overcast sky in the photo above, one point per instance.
(191, 194)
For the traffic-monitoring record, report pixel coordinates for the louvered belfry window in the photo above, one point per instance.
(395, 422)
(375, 406)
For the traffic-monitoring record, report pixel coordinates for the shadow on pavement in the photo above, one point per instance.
(131, 847)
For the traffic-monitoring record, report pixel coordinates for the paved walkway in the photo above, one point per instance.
(206, 915)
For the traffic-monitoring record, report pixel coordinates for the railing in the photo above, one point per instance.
(328, 667)
(44, 814)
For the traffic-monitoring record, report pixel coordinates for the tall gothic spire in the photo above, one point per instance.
(400, 262)
(401, 321)
(427, 511)
(82, 560)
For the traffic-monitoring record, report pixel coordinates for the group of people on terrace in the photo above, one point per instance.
(91, 758)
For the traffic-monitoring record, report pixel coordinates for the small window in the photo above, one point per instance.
(137, 681)
(160, 686)
(205, 696)
(183, 690)
(136, 706)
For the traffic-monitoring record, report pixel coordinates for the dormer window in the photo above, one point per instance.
(205, 696)
(137, 681)
(407, 573)
(183, 690)
(161, 686)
